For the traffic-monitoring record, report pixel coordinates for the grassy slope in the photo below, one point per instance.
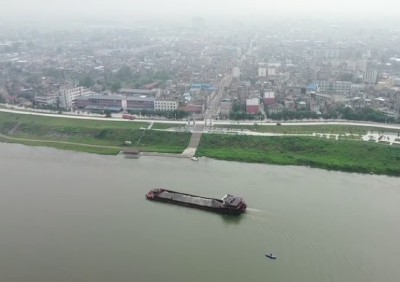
(68, 122)
(309, 129)
(97, 132)
(167, 125)
(352, 156)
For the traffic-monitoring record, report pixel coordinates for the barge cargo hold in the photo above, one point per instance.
(227, 205)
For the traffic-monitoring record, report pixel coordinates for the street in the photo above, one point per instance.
(214, 104)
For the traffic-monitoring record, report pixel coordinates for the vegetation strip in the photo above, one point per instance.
(52, 130)
(342, 155)
(309, 129)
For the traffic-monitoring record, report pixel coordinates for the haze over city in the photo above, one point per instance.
(269, 132)
(176, 10)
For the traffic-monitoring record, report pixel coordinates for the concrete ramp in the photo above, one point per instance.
(194, 140)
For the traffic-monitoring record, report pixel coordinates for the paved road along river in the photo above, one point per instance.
(68, 216)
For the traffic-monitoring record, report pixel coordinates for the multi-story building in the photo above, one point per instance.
(245, 83)
(275, 108)
(314, 107)
(271, 71)
(385, 82)
(140, 103)
(225, 107)
(343, 87)
(269, 97)
(67, 97)
(253, 105)
(115, 102)
(370, 76)
(327, 53)
(47, 100)
(236, 72)
(133, 92)
(396, 81)
(262, 72)
(99, 102)
(165, 105)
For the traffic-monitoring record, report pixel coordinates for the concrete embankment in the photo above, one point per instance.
(150, 154)
(194, 140)
(189, 151)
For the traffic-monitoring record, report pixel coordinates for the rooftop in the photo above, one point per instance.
(135, 91)
(312, 86)
(101, 97)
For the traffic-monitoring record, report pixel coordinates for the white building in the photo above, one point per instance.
(47, 100)
(253, 105)
(236, 72)
(165, 105)
(327, 53)
(370, 76)
(396, 81)
(68, 96)
(271, 71)
(361, 64)
(343, 87)
(262, 72)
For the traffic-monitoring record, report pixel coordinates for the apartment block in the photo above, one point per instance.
(343, 87)
(165, 105)
(370, 76)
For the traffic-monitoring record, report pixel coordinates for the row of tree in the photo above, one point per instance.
(177, 114)
(293, 115)
(245, 116)
(238, 112)
(124, 77)
(365, 114)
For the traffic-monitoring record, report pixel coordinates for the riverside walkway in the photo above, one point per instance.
(190, 151)
(194, 140)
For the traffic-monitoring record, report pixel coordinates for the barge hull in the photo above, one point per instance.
(210, 209)
(228, 205)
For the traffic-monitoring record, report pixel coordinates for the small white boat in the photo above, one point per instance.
(194, 159)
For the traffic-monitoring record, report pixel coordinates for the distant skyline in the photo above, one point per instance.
(175, 10)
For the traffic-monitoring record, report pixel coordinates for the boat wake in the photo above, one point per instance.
(256, 210)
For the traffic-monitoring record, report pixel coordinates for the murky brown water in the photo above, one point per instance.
(68, 216)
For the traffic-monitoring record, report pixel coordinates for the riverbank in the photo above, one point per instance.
(341, 155)
(92, 136)
(109, 138)
(309, 128)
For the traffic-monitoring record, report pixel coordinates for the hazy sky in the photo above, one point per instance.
(245, 9)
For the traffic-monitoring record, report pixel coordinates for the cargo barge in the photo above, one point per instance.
(227, 205)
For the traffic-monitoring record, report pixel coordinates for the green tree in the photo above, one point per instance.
(2, 100)
(124, 73)
(86, 81)
(107, 113)
(237, 107)
(346, 77)
(115, 86)
(54, 73)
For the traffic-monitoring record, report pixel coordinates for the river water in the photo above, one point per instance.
(68, 216)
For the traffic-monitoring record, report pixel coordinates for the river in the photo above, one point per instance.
(67, 216)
